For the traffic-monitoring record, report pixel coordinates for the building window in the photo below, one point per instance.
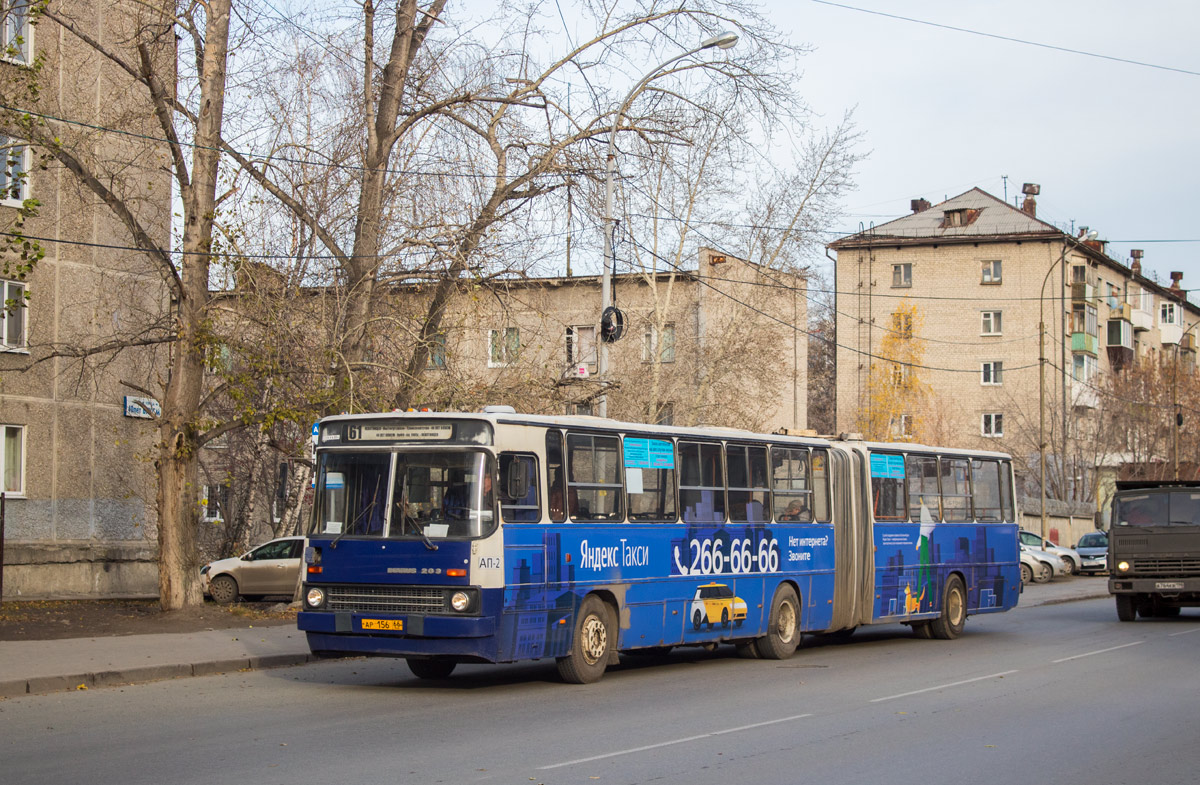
(504, 347)
(991, 271)
(901, 275)
(16, 34)
(659, 346)
(586, 409)
(992, 372)
(581, 345)
(1083, 366)
(1114, 295)
(214, 503)
(993, 424)
(1084, 319)
(901, 374)
(902, 325)
(666, 414)
(436, 361)
(906, 426)
(1168, 313)
(12, 459)
(1079, 273)
(12, 323)
(991, 323)
(14, 178)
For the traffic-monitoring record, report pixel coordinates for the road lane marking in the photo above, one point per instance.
(1097, 651)
(1185, 632)
(672, 742)
(942, 686)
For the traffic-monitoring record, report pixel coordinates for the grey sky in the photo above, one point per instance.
(1112, 144)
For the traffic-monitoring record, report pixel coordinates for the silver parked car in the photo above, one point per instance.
(271, 568)
(1093, 552)
(1069, 556)
(1032, 570)
(1054, 566)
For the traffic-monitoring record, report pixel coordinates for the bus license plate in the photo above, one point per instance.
(393, 625)
(1168, 585)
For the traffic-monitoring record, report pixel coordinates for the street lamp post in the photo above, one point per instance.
(1042, 376)
(723, 41)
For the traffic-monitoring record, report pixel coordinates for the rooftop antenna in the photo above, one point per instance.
(1004, 177)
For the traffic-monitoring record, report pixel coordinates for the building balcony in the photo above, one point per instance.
(1083, 395)
(1083, 292)
(1085, 342)
(1119, 333)
(1142, 320)
(1171, 333)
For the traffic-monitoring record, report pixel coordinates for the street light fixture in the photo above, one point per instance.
(1042, 373)
(724, 40)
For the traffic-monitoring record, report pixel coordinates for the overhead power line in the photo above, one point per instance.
(1011, 39)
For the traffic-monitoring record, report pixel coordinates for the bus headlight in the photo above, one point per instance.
(460, 601)
(315, 597)
(1122, 566)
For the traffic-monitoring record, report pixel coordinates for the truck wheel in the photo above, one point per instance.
(1126, 608)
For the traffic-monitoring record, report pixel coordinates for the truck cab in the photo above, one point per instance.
(1154, 548)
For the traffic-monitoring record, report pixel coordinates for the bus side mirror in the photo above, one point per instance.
(517, 479)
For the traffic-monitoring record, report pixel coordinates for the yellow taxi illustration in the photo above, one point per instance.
(715, 602)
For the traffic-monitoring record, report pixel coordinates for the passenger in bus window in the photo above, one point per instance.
(795, 512)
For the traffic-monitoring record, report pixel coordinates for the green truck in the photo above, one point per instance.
(1154, 548)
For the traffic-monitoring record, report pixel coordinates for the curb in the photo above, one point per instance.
(85, 681)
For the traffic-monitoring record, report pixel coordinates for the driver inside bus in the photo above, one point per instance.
(458, 501)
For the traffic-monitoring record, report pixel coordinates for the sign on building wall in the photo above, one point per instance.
(142, 408)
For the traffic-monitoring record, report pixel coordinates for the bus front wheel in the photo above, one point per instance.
(431, 669)
(783, 626)
(950, 624)
(590, 645)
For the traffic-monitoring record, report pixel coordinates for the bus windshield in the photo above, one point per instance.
(1177, 508)
(418, 495)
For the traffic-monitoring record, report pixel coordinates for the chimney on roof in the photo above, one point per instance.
(920, 205)
(1176, 277)
(1029, 206)
(1136, 266)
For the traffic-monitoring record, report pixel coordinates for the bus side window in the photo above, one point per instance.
(887, 487)
(985, 480)
(924, 499)
(556, 490)
(956, 490)
(594, 477)
(746, 479)
(791, 484)
(526, 508)
(820, 484)
(1006, 490)
(701, 483)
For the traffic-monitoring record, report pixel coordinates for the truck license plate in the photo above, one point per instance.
(1168, 585)
(395, 625)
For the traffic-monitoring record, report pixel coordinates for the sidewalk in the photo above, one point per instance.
(32, 667)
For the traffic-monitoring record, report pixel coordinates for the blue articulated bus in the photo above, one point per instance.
(498, 537)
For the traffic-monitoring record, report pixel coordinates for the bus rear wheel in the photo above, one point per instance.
(950, 624)
(590, 645)
(431, 669)
(783, 626)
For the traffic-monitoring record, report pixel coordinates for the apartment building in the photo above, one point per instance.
(710, 345)
(77, 431)
(939, 339)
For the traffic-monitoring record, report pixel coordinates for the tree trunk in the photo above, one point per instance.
(178, 579)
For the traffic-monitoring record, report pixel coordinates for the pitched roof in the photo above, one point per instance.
(984, 216)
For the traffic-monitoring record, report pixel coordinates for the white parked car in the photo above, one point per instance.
(1070, 557)
(1032, 570)
(271, 568)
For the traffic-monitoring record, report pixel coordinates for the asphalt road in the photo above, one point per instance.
(1058, 692)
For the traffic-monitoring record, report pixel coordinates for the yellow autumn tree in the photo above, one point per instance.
(897, 397)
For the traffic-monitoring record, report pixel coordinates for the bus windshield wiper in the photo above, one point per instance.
(357, 518)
